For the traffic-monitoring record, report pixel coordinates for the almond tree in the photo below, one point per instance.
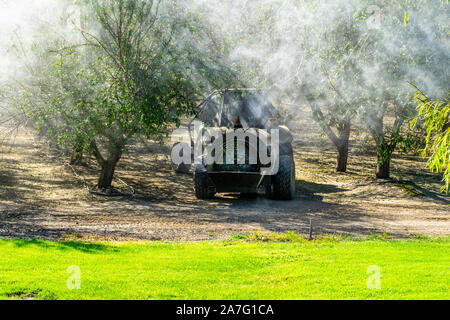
(331, 86)
(134, 71)
(408, 47)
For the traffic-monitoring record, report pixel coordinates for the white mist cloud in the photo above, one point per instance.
(275, 49)
(22, 23)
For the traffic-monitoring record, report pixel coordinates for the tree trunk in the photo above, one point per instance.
(108, 165)
(383, 161)
(107, 174)
(342, 159)
(342, 146)
(383, 170)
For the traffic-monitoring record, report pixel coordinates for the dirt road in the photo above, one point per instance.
(41, 197)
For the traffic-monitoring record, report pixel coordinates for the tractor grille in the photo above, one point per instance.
(240, 156)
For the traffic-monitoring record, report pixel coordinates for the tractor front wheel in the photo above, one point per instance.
(284, 181)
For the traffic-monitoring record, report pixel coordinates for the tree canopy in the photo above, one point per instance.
(435, 113)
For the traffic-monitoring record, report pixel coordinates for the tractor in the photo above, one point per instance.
(237, 146)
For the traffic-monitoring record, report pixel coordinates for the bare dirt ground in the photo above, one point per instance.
(42, 197)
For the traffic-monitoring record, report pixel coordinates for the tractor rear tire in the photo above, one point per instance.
(204, 188)
(284, 180)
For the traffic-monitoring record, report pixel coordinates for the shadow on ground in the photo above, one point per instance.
(65, 245)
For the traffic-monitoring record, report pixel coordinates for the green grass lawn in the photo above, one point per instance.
(226, 269)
